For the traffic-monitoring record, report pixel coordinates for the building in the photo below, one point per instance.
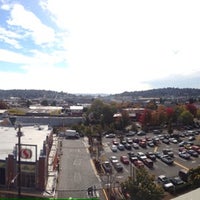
(133, 113)
(36, 143)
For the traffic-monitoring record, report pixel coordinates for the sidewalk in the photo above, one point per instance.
(52, 173)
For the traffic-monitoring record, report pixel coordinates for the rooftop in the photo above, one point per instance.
(32, 135)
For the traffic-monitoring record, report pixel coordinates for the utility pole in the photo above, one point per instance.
(19, 134)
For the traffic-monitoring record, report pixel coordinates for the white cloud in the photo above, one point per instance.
(10, 37)
(11, 57)
(30, 22)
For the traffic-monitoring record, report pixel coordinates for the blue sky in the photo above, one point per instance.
(99, 46)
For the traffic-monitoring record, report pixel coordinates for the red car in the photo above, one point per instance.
(124, 160)
(115, 142)
(139, 163)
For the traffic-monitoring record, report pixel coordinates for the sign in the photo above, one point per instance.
(26, 153)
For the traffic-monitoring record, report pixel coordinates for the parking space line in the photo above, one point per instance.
(155, 149)
(180, 165)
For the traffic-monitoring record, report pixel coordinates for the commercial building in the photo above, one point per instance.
(36, 143)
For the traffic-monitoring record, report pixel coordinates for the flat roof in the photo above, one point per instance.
(32, 135)
(193, 195)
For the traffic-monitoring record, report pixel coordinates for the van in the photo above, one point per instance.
(184, 174)
(71, 134)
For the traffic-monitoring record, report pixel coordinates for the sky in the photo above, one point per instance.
(99, 46)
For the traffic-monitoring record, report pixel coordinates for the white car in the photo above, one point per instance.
(113, 148)
(166, 183)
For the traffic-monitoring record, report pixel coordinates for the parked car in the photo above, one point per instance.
(135, 145)
(129, 140)
(138, 163)
(150, 143)
(184, 154)
(107, 167)
(115, 142)
(193, 153)
(71, 134)
(133, 159)
(167, 159)
(148, 162)
(128, 146)
(196, 148)
(120, 147)
(159, 154)
(151, 155)
(113, 159)
(143, 143)
(113, 148)
(124, 159)
(182, 144)
(166, 183)
(166, 141)
(168, 152)
(157, 132)
(130, 133)
(131, 154)
(177, 180)
(118, 167)
(173, 140)
(141, 133)
(110, 135)
(141, 156)
(183, 174)
(191, 138)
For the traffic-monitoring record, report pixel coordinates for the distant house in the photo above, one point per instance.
(42, 110)
(3, 114)
(76, 110)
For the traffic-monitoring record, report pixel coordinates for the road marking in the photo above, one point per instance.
(77, 177)
(126, 170)
(180, 165)
(105, 194)
(94, 169)
(155, 149)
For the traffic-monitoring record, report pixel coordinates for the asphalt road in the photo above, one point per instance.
(77, 172)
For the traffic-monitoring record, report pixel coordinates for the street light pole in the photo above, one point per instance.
(19, 134)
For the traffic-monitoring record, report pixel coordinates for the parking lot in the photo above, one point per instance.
(154, 143)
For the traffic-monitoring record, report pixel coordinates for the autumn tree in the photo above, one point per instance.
(3, 105)
(186, 118)
(143, 187)
(101, 113)
(194, 177)
(198, 113)
(151, 105)
(44, 103)
(145, 119)
(192, 109)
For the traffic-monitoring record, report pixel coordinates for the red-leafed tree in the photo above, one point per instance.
(170, 113)
(145, 118)
(192, 109)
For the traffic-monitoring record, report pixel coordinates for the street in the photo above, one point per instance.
(77, 175)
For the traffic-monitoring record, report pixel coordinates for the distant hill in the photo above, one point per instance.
(33, 94)
(154, 93)
(163, 92)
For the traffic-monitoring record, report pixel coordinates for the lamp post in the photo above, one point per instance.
(19, 134)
